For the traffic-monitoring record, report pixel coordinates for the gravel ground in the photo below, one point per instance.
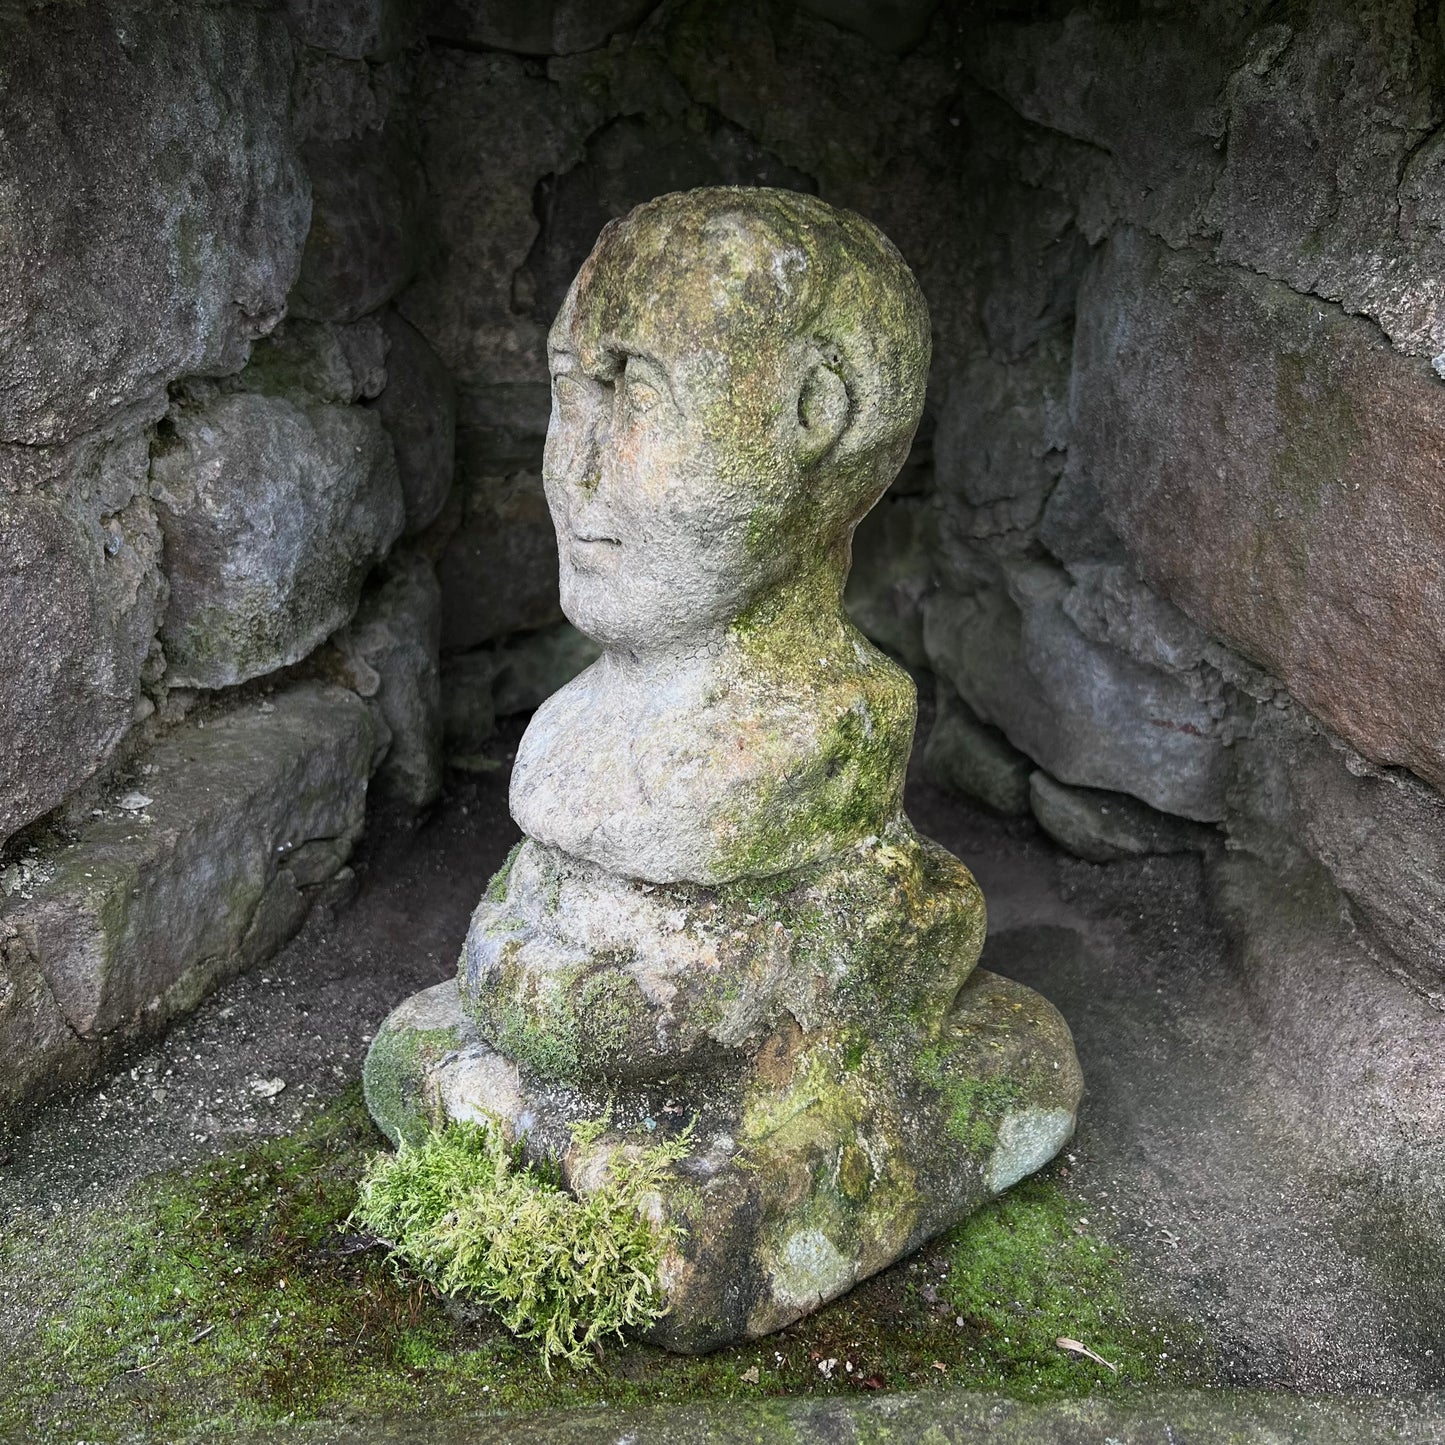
(1190, 1145)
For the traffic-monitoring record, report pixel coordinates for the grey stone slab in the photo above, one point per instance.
(180, 881)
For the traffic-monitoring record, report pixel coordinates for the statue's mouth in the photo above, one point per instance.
(597, 540)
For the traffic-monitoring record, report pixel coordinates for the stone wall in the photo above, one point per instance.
(220, 452)
(1171, 535)
(1169, 541)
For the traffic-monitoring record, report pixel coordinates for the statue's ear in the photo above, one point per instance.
(824, 407)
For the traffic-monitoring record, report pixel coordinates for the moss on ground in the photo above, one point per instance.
(230, 1293)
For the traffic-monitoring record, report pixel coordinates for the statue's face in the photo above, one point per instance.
(671, 451)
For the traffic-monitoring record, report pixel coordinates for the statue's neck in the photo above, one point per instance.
(801, 617)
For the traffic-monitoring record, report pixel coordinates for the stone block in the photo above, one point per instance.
(1381, 836)
(419, 410)
(499, 571)
(469, 707)
(355, 29)
(492, 125)
(273, 514)
(1003, 434)
(396, 632)
(1331, 180)
(1083, 709)
(1269, 463)
(534, 27)
(320, 360)
(154, 199)
(362, 248)
(80, 598)
(531, 668)
(1102, 827)
(183, 882)
(974, 760)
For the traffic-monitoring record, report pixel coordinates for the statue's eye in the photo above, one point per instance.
(641, 396)
(567, 387)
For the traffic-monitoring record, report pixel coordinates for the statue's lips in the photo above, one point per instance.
(589, 552)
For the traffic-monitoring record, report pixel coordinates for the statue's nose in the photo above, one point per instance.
(589, 461)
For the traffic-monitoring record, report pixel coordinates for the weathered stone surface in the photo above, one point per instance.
(154, 204)
(534, 27)
(884, 1152)
(273, 514)
(1102, 827)
(248, 812)
(469, 708)
(79, 598)
(1002, 438)
(1380, 834)
(367, 194)
(890, 575)
(355, 29)
(397, 632)
(491, 127)
(974, 760)
(895, 25)
(499, 571)
(320, 360)
(419, 410)
(1268, 463)
(1088, 712)
(1331, 179)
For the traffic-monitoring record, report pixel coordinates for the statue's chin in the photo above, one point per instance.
(633, 618)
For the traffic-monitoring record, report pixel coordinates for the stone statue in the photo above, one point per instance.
(720, 912)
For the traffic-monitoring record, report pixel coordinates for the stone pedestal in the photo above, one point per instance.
(853, 1086)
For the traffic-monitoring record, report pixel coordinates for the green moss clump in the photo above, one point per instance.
(464, 1212)
(1024, 1273)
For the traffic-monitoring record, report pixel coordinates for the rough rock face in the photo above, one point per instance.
(154, 211)
(719, 911)
(419, 410)
(69, 687)
(206, 865)
(396, 632)
(1270, 462)
(273, 514)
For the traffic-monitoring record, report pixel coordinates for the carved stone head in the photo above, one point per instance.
(737, 375)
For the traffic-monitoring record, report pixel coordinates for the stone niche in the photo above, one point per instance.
(721, 919)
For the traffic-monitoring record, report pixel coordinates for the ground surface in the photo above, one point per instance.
(1239, 1234)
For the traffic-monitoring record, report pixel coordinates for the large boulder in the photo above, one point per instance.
(534, 27)
(152, 201)
(1332, 180)
(203, 866)
(1271, 465)
(273, 512)
(80, 598)
(1079, 705)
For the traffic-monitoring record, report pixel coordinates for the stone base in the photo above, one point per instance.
(819, 1161)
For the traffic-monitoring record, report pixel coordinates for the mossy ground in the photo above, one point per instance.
(232, 1293)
